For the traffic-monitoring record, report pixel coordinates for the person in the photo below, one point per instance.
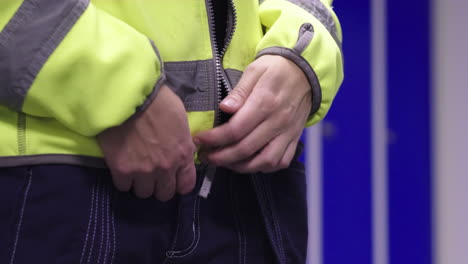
(116, 116)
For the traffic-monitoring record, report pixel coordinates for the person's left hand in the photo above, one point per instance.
(271, 105)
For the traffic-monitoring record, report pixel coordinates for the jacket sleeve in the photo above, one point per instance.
(308, 33)
(68, 60)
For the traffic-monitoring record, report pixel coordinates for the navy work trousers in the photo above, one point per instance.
(71, 214)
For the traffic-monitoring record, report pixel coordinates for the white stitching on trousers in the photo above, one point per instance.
(23, 206)
(91, 213)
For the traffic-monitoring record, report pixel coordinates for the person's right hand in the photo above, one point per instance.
(153, 151)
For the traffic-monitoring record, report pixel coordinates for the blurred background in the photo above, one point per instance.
(388, 168)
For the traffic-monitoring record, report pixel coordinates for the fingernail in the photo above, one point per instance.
(196, 141)
(229, 102)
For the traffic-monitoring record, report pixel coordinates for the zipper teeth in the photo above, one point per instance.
(218, 54)
(211, 20)
(229, 38)
(234, 24)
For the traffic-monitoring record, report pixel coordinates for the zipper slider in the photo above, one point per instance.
(208, 178)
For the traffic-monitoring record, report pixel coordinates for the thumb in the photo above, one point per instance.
(234, 101)
(237, 97)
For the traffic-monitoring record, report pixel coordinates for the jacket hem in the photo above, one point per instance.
(43, 159)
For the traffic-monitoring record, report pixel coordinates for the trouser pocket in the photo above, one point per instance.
(70, 214)
(14, 185)
(282, 200)
(46, 210)
(188, 231)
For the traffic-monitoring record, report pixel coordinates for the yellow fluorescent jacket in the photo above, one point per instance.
(70, 69)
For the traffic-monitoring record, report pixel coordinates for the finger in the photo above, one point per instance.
(255, 110)
(237, 97)
(246, 147)
(228, 133)
(186, 178)
(289, 155)
(143, 186)
(165, 187)
(268, 159)
(121, 181)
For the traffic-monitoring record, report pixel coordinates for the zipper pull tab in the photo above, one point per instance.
(207, 181)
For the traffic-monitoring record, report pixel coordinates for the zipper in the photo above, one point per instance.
(222, 84)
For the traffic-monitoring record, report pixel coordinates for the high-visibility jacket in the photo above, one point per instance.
(70, 69)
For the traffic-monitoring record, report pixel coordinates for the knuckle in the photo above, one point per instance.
(277, 75)
(182, 153)
(239, 93)
(269, 103)
(284, 116)
(186, 152)
(253, 67)
(122, 168)
(165, 164)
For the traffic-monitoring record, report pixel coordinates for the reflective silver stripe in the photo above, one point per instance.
(194, 82)
(28, 40)
(319, 11)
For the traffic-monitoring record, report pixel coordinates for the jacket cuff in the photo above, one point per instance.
(157, 86)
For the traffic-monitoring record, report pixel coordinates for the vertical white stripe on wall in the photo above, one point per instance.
(314, 193)
(379, 134)
(450, 130)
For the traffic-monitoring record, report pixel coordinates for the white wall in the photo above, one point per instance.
(450, 127)
(314, 193)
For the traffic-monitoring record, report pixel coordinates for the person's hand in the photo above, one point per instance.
(153, 151)
(271, 105)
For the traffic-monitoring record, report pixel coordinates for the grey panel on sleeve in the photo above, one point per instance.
(28, 40)
(320, 11)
